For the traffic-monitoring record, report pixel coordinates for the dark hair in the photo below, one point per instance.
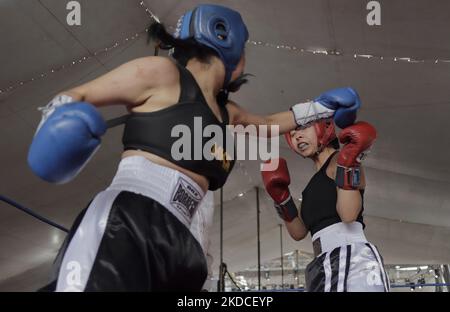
(234, 86)
(334, 144)
(185, 49)
(182, 49)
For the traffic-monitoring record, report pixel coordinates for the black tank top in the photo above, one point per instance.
(152, 132)
(319, 200)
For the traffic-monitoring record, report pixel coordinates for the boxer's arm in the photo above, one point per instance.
(276, 183)
(130, 84)
(342, 103)
(357, 140)
(349, 202)
(296, 228)
(239, 116)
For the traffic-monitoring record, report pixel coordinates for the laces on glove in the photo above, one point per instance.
(349, 178)
(48, 109)
(305, 113)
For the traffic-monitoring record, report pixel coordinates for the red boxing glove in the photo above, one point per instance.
(277, 185)
(357, 139)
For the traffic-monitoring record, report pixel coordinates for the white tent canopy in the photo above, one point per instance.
(407, 202)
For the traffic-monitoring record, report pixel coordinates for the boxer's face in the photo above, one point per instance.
(304, 140)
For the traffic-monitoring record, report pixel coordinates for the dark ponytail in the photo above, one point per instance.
(157, 32)
(182, 49)
(334, 144)
(234, 86)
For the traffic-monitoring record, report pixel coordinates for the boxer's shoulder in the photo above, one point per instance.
(155, 68)
(332, 165)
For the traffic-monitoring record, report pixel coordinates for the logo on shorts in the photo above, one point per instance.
(186, 198)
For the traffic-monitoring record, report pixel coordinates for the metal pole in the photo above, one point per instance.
(447, 276)
(282, 260)
(296, 267)
(437, 279)
(221, 275)
(258, 237)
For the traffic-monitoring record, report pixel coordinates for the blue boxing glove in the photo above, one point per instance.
(65, 140)
(341, 103)
(345, 101)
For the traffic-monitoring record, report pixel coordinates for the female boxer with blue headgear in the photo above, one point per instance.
(331, 208)
(137, 234)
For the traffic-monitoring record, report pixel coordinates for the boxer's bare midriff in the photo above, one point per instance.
(199, 179)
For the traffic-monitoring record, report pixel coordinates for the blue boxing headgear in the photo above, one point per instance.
(219, 28)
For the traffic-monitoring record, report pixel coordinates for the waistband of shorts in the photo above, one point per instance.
(174, 190)
(337, 235)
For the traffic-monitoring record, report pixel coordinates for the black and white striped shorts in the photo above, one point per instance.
(356, 267)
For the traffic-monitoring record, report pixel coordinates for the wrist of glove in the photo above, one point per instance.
(287, 210)
(305, 113)
(50, 108)
(342, 104)
(348, 178)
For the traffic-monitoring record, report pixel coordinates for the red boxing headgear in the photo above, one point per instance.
(325, 131)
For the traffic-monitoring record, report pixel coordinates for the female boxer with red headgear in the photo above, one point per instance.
(138, 234)
(332, 207)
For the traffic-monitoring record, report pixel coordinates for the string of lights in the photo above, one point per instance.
(286, 47)
(244, 171)
(73, 63)
(149, 12)
(82, 59)
(239, 195)
(355, 55)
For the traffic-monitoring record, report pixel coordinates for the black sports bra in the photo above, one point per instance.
(175, 134)
(319, 199)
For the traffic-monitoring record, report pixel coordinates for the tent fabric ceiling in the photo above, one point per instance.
(407, 200)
